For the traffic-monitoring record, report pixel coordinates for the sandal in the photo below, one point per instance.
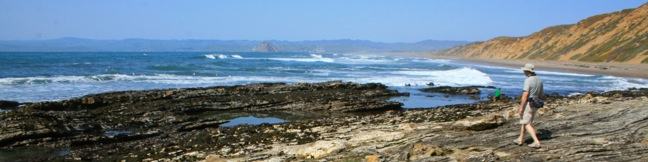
(517, 142)
(534, 145)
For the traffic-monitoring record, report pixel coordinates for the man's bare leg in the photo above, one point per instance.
(533, 134)
(521, 138)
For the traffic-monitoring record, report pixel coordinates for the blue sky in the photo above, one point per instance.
(377, 20)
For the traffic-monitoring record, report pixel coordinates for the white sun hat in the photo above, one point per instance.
(528, 67)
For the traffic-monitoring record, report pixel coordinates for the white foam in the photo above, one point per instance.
(214, 56)
(313, 58)
(210, 56)
(365, 56)
(364, 60)
(237, 56)
(462, 76)
(320, 72)
(316, 56)
(41, 80)
(63, 87)
(574, 94)
(541, 72)
(455, 77)
(346, 59)
(440, 61)
(507, 69)
(619, 83)
(159, 78)
(562, 73)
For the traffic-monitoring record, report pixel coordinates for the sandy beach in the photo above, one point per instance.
(614, 69)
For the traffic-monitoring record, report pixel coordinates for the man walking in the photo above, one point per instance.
(533, 90)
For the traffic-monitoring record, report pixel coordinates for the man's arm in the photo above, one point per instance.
(523, 101)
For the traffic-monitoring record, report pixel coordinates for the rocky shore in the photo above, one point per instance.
(341, 122)
(468, 90)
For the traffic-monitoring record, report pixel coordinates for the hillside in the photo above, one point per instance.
(620, 36)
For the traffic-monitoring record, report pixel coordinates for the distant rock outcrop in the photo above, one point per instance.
(613, 37)
(265, 46)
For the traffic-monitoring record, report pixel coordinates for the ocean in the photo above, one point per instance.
(45, 76)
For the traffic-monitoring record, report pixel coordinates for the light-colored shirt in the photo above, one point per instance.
(533, 85)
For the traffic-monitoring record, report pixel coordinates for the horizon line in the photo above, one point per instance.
(259, 40)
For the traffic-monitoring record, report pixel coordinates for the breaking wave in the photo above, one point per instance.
(454, 77)
(214, 56)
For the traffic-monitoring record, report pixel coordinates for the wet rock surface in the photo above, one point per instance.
(8, 104)
(164, 123)
(576, 128)
(468, 90)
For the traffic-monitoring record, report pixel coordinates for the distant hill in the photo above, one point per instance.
(265, 47)
(613, 37)
(342, 45)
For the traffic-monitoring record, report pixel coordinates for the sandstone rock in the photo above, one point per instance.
(475, 155)
(275, 159)
(167, 94)
(617, 95)
(545, 111)
(422, 150)
(480, 123)
(372, 158)
(322, 129)
(501, 154)
(510, 113)
(589, 98)
(602, 100)
(317, 149)
(407, 127)
(88, 101)
(195, 154)
(376, 136)
(214, 158)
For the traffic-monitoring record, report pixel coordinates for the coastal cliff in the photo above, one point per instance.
(613, 37)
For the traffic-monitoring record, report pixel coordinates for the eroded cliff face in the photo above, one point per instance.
(613, 37)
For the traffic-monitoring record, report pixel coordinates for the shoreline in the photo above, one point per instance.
(612, 69)
(357, 123)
